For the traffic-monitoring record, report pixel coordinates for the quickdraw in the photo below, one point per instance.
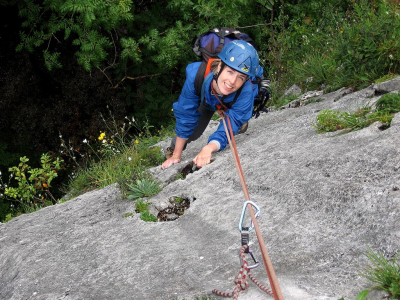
(240, 279)
(257, 214)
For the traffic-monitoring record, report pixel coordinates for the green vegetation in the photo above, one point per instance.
(115, 156)
(383, 273)
(127, 215)
(329, 120)
(28, 189)
(331, 42)
(142, 209)
(142, 188)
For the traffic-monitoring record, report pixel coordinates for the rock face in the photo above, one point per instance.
(323, 198)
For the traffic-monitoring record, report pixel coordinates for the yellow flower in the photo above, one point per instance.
(101, 136)
(136, 141)
(172, 109)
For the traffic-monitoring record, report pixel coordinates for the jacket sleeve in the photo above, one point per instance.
(239, 113)
(186, 108)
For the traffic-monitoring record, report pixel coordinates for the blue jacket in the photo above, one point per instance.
(187, 115)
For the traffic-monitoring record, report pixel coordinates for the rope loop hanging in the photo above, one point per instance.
(241, 279)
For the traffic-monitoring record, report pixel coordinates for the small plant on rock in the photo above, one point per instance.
(142, 208)
(330, 120)
(383, 272)
(142, 188)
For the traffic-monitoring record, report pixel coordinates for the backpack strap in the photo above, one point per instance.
(208, 68)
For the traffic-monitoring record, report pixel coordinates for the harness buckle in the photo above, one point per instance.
(257, 214)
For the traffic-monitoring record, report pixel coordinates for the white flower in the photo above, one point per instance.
(85, 141)
(129, 158)
(133, 119)
(0, 172)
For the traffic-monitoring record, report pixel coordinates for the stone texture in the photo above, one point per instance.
(323, 198)
(388, 86)
(293, 90)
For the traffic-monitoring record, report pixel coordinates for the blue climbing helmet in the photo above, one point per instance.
(240, 56)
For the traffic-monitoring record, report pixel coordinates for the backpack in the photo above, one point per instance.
(208, 45)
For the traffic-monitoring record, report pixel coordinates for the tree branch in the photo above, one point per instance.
(265, 24)
(134, 78)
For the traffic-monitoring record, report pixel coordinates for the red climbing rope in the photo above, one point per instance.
(240, 279)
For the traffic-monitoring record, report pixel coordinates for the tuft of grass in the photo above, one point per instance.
(131, 163)
(127, 215)
(389, 103)
(142, 188)
(329, 120)
(383, 273)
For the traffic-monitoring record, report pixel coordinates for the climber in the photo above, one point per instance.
(226, 89)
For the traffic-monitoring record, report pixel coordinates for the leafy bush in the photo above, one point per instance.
(29, 188)
(368, 44)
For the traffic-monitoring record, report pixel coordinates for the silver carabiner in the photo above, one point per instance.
(257, 214)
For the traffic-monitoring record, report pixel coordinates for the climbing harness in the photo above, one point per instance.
(240, 281)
